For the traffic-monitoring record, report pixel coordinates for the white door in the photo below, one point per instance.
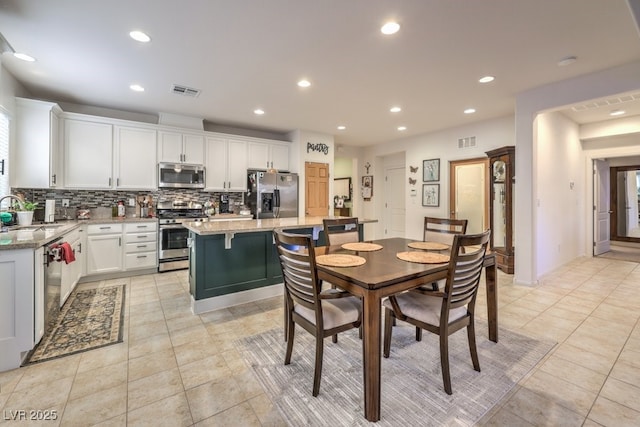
(394, 208)
(470, 196)
(601, 200)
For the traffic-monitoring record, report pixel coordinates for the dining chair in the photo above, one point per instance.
(321, 313)
(339, 231)
(448, 311)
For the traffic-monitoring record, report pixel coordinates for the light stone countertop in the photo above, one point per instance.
(254, 225)
(40, 234)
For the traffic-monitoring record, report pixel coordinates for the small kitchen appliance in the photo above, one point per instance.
(272, 194)
(224, 203)
(180, 175)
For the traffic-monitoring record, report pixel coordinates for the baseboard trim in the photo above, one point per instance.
(236, 298)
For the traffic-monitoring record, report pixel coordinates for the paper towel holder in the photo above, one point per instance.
(50, 211)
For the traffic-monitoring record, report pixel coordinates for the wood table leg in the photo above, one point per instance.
(371, 354)
(492, 301)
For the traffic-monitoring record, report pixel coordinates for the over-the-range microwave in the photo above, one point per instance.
(180, 175)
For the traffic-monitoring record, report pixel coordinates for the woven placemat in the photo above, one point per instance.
(340, 260)
(423, 257)
(362, 246)
(429, 246)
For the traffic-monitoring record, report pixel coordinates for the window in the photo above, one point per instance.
(4, 153)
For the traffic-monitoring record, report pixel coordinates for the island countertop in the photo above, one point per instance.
(249, 226)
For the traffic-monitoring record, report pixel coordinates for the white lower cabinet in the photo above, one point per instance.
(104, 248)
(71, 273)
(141, 245)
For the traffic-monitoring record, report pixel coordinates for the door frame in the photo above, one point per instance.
(613, 204)
(452, 186)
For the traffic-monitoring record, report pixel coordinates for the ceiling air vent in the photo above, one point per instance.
(185, 91)
(467, 142)
(608, 102)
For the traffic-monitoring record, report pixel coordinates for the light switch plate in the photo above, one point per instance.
(132, 202)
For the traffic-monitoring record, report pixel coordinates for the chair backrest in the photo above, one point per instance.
(297, 260)
(341, 230)
(442, 230)
(465, 268)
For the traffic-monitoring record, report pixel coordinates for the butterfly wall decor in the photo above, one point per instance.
(413, 169)
(412, 181)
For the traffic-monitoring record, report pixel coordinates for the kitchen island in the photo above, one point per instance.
(235, 262)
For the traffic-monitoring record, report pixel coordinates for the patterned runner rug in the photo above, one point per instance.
(412, 389)
(90, 318)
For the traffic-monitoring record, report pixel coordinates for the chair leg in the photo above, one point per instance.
(418, 334)
(471, 334)
(444, 362)
(388, 329)
(290, 333)
(334, 338)
(317, 373)
(286, 316)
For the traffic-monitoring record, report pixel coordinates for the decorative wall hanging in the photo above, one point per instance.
(367, 166)
(367, 187)
(431, 170)
(431, 195)
(412, 181)
(413, 169)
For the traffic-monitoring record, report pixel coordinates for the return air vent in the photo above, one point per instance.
(185, 91)
(608, 102)
(467, 142)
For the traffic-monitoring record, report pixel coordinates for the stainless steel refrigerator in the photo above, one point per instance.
(272, 194)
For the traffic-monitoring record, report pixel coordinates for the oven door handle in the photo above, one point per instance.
(165, 227)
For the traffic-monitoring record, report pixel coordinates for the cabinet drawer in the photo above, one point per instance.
(135, 227)
(140, 247)
(140, 260)
(104, 228)
(140, 237)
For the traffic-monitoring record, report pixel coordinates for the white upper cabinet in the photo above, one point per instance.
(268, 154)
(35, 152)
(136, 158)
(88, 154)
(177, 147)
(226, 165)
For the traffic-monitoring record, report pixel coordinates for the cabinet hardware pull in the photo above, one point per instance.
(54, 178)
(117, 182)
(105, 228)
(141, 226)
(79, 247)
(109, 182)
(119, 241)
(142, 236)
(141, 246)
(2, 170)
(142, 256)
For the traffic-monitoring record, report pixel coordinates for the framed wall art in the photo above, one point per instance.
(431, 170)
(367, 187)
(431, 195)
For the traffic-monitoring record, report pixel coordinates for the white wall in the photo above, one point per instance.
(441, 145)
(560, 188)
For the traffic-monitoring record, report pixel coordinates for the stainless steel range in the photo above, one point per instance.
(173, 252)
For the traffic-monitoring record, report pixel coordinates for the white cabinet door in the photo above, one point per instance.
(257, 155)
(35, 153)
(104, 253)
(216, 164)
(279, 156)
(170, 147)
(193, 149)
(237, 165)
(16, 306)
(88, 154)
(136, 158)
(70, 273)
(38, 295)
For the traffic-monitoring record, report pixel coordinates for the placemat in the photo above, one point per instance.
(362, 246)
(340, 260)
(423, 257)
(429, 246)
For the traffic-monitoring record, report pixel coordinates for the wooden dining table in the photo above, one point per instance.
(382, 275)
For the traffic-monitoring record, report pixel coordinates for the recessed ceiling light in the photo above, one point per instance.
(304, 83)
(395, 109)
(24, 57)
(390, 28)
(258, 111)
(136, 88)
(341, 127)
(617, 112)
(139, 36)
(486, 79)
(470, 111)
(567, 60)
(402, 128)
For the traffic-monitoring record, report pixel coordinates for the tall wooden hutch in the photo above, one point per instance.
(502, 172)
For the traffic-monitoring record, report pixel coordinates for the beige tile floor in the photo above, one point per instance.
(177, 369)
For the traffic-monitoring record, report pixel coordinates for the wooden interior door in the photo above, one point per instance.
(316, 189)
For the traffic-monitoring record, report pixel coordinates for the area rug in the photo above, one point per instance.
(412, 389)
(90, 318)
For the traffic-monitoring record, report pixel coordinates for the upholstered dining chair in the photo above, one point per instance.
(321, 313)
(448, 311)
(339, 231)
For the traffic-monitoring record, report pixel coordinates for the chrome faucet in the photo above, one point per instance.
(17, 199)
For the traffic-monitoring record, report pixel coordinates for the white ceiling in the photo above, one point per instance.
(244, 54)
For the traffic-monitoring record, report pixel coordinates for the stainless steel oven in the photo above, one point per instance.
(173, 252)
